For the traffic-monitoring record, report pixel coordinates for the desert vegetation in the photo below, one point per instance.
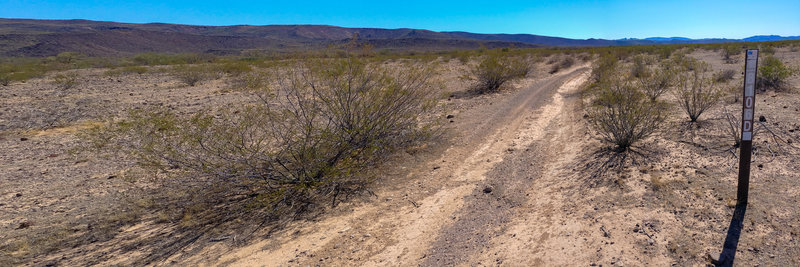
(267, 138)
(311, 134)
(621, 112)
(772, 73)
(696, 91)
(496, 69)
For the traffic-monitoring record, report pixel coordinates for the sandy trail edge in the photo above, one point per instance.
(401, 235)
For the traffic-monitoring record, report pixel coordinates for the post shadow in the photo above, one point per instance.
(732, 239)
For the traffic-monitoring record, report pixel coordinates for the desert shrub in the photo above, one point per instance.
(724, 75)
(731, 127)
(622, 114)
(639, 67)
(496, 69)
(729, 52)
(603, 68)
(65, 81)
(248, 81)
(152, 59)
(191, 75)
(657, 81)
(68, 57)
(563, 63)
(766, 50)
(5, 79)
(309, 136)
(773, 73)
(235, 68)
(696, 92)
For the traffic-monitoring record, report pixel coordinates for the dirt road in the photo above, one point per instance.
(446, 211)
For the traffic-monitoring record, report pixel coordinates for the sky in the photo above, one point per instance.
(612, 19)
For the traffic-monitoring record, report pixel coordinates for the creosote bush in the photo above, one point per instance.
(5, 79)
(191, 75)
(696, 92)
(724, 75)
(495, 69)
(65, 81)
(621, 113)
(729, 52)
(656, 81)
(772, 73)
(313, 134)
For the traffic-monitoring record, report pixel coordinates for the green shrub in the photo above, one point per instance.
(622, 114)
(191, 75)
(729, 52)
(639, 67)
(766, 50)
(236, 68)
(696, 92)
(604, 68)
(773, 73)
(5, 79)
(496, 69)
(65, 81)
(68, 57)
(309, 136)
(657, 81)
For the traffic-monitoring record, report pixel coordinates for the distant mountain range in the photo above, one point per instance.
(39, 38)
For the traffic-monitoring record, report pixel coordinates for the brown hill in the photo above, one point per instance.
(39, 38)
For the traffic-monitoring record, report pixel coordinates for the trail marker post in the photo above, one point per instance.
(748, 107)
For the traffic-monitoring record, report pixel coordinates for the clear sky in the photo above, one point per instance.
(582, 19)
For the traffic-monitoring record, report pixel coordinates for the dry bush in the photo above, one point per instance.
(724, 76)
(731, 126)
(236, 68)
(622, 114)
(495, 69)
(65, 81)
(729, 53)
(604, 67)
(696, 92)
(5, 79)
(656, 81)
(640, 63)
(311, 136)
(191, 75)
(773, 73)
(564, 63)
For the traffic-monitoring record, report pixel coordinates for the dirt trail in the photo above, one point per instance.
(414, 225)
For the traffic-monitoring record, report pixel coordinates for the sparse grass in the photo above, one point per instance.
(236, 68)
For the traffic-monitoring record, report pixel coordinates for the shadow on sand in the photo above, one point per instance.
(728, 254)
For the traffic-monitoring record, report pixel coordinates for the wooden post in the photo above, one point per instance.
(748, 108)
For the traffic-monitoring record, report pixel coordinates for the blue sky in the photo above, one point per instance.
(572, 19)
